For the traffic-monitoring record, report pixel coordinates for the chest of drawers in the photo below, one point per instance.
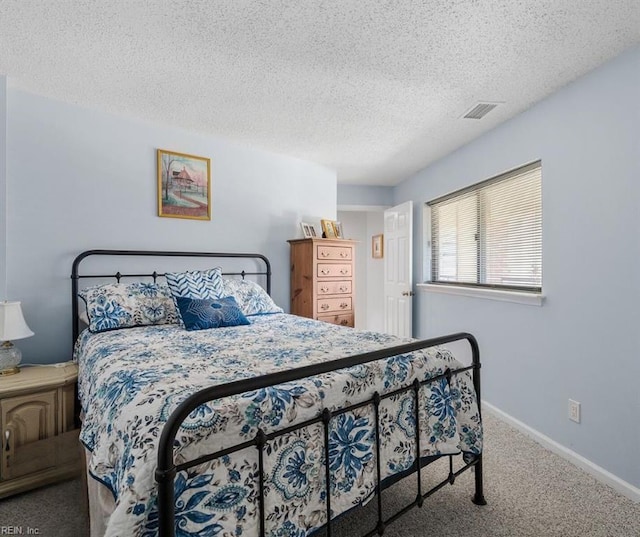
(322, 280)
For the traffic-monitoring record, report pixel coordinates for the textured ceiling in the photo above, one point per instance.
(373, 89)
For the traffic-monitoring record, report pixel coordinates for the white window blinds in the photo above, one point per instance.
(490, 234)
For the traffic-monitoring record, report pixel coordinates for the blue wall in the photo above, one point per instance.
(80, 179)
(365, 195)
(583, 342)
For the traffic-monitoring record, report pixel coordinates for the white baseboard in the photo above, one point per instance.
(602, 475)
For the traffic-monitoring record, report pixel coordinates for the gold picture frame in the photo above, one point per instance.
(184, 185)
(377, 246)
(337, 230)
(328, 229)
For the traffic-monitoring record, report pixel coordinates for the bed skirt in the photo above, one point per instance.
(101, 502)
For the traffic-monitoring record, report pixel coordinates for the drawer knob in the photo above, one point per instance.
(343, 289)
(324, 254)
(344, 305)
(324, 289)
(344, 322)
(343, 254)
(325, 271)
(344, 271)
(324, 307)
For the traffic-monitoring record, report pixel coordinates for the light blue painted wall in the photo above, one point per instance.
(81, 179)
(3, 187)
(365, 195)
(584, 342)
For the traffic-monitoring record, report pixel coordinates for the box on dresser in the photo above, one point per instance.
(322, 280)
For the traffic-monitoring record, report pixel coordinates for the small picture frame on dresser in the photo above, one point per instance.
(308, 230)
(337, 229)
(328, 231)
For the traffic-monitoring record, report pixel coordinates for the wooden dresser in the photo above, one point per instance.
(322, 280)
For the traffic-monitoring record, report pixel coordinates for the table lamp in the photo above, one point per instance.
(12, 326)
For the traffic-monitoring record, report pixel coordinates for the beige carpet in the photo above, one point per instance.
(530, 492)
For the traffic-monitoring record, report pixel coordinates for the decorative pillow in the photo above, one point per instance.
(252, 299)
(203, 313)
(120, 305)
(196, 283)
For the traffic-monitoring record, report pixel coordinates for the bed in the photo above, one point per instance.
(237, 430)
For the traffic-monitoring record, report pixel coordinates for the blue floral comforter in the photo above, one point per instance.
(132, 379)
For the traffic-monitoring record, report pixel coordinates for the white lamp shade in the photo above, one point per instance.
(12, 323)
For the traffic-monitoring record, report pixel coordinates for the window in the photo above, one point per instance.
(490, 234)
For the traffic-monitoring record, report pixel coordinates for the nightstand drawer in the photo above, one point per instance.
(334, 288)
(326, 270)
(334, 304)
(27, 421)
(341, 253)
(28, 458)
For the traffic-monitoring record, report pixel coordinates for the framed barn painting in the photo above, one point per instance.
(184, 185)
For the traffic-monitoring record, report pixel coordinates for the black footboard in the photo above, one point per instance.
(167, 469)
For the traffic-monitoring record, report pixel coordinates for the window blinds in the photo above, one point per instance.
(490, 234)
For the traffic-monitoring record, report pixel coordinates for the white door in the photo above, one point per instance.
(398, 265)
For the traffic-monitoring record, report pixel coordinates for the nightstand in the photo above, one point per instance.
(39, 440)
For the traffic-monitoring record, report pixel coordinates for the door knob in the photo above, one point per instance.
(408, 293)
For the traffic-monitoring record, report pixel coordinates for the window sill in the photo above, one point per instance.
(530, 299)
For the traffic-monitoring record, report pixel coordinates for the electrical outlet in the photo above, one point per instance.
(574, 410)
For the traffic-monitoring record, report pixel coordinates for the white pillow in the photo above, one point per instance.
(252, 299)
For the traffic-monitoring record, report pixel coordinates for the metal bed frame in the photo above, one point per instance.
(167, 469)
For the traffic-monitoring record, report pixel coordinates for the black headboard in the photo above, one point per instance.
(76, 275)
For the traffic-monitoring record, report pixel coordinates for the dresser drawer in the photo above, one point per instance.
(345, 319)
(326, 270)
(341, 253)
(333, 288)
(326, 305)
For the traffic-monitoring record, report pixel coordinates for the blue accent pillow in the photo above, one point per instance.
(203, 313)
(195, 284)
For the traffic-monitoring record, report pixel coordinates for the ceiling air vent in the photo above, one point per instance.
(480, 110)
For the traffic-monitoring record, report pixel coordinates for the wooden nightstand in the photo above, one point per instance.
(39, 440)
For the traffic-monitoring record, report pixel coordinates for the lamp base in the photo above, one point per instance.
(10, 357)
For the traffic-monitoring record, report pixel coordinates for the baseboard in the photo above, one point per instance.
(602, 475)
